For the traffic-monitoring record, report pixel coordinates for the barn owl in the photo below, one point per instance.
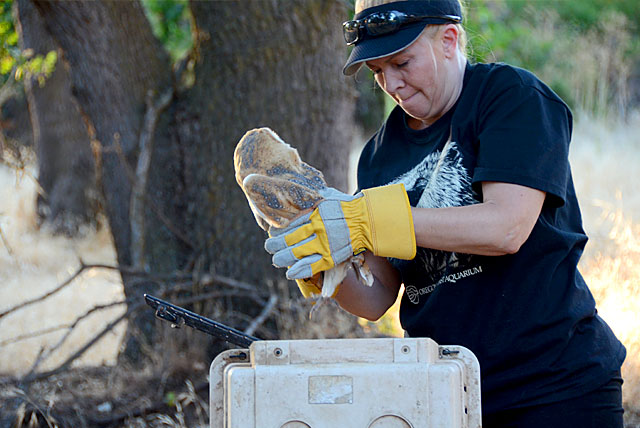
(280, 187)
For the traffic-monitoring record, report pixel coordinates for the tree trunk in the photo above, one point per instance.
(261, 63)
(257, 63)
(118, 68)
(15, 124)
(65, 164)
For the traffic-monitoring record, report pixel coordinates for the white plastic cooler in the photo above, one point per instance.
(346, 383)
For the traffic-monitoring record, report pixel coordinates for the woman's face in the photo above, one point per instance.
(419, 79)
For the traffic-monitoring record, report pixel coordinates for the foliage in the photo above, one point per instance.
(8, 41)
(585, 50)
(171, 23)
(502, 26)
(17, 64)
(38, 66)
(554, 39)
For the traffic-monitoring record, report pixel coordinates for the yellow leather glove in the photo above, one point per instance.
(377, 219)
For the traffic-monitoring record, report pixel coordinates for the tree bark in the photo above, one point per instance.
(261, 63)
(118, 68)
(68, 197)
(258, 63)
(15, 124)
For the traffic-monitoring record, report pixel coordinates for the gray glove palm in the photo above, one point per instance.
(316, 241)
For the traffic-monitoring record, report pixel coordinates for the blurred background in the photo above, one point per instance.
(118, 122)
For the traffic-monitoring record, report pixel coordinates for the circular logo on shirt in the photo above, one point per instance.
(413, 294)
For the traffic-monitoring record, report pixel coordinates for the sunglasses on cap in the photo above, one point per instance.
(382, 23)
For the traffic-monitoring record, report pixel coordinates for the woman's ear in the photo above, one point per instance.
(449, 40)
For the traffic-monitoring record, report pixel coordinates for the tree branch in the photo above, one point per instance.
(33, 334)
(213, 295)
(206, 279)
(36, 376)
(46, 353)
(230, 282)
(69, 326)
(238, 289)
(46, 295)
(32, 376)
(5, 243)
(139, 188)
(10, 88)
(262, 317)
(117, 148)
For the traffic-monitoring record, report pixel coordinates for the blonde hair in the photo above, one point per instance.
(431, 29)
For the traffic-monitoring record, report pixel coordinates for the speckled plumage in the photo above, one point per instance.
(280, 187)
(277, 183)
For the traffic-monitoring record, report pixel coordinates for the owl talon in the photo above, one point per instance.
(320, 302)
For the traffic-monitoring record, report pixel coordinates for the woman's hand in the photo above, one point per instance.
(342, 225)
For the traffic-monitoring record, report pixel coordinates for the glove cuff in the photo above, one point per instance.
(391, 222)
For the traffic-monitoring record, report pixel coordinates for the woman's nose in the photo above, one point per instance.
(392, 82)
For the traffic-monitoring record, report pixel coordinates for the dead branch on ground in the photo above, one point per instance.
(237, 289)
(207, 279)
(264, 314)
(32, 375)
(64, 284)
(46, 353)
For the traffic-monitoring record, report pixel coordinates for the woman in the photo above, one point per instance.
(487, 236)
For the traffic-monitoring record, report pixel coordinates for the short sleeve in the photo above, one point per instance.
(524, 135)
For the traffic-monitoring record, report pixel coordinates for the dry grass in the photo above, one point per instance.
(32, 262)
(604, 158)
(613, 277)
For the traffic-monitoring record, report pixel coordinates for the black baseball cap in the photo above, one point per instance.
(370, 47)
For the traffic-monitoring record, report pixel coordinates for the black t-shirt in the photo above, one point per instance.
(528, 317)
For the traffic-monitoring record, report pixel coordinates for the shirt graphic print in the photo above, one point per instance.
(439, 181)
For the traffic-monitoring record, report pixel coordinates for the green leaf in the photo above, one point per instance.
(50, 62)
(12, 39)
(170, 398)
(6, 64)
(171, 24)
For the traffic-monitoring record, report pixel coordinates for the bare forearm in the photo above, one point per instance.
(497, 226)
(370, 302)
(471, 230)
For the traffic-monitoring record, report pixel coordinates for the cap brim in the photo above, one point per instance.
(379, 47)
